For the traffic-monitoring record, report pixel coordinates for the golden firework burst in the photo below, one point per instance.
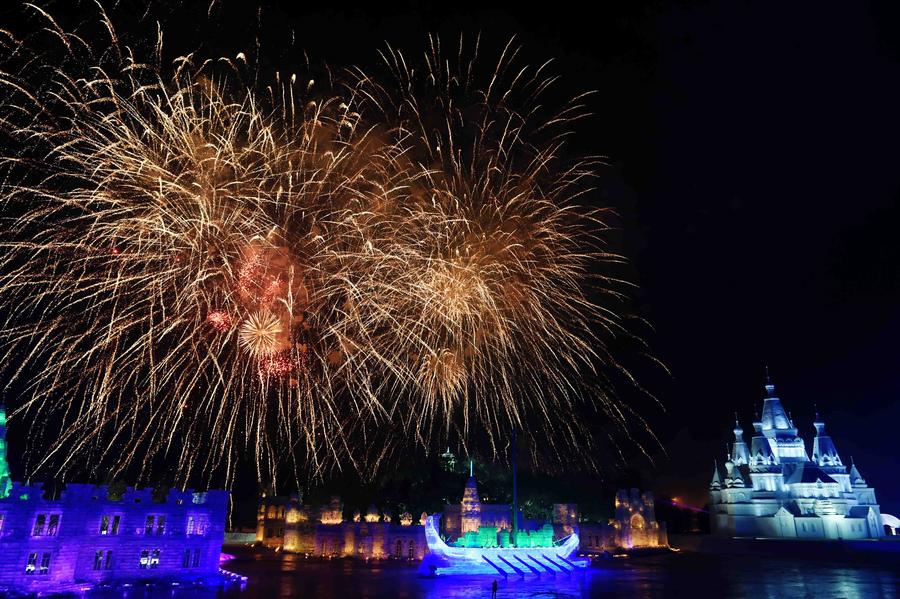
(260, 334)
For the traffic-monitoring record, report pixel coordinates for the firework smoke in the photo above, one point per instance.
(296, 269)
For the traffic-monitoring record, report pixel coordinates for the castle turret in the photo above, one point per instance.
(5, 475)
(824, 452)
(739, 453)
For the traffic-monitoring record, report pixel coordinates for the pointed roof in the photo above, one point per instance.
(824, 452)
(737, 479)
(716, 482)
(775, 420)
(856, 478)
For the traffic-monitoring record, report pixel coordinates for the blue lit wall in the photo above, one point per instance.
(85, 537)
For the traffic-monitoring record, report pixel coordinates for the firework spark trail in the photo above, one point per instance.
(294, 272)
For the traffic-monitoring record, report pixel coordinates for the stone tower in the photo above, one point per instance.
(5, 476)
(470, 515)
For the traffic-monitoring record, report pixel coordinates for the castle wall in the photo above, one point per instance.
(305, 532)
(86, 537)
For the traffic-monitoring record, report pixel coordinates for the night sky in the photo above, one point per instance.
(754, 152)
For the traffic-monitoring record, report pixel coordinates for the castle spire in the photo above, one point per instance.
(824, 452)
(775, 420)
(716, 482)
(739, 452)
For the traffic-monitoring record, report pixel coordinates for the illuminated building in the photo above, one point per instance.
(285, 523)
(774, 489)
(88, 534)
(634, 526)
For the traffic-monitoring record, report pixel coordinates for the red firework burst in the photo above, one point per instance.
(219, 320)
(279, 365)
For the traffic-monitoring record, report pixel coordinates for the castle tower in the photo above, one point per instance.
(5, 475)
(470, 516)
(739, 453)
(824, 452)
(775, 420)
(779, 429)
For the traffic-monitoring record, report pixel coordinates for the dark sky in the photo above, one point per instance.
(755, 151)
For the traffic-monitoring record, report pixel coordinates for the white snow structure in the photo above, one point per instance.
(775, 489)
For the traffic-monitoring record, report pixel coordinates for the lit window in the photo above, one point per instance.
(199, 498)
(2, 517)
(31, 566)
(149, 559)
(197, 525)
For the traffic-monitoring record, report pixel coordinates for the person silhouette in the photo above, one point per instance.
(494, 590)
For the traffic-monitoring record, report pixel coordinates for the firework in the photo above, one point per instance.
(219, 320)
(261, 333)
(293, 268)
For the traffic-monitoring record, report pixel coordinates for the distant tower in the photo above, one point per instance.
(739, 453)
(5, 476)
(470, 519)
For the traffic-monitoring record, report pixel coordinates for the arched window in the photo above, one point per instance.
(637, 522)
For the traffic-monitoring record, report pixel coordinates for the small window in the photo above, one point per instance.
(2, 517)
(412, 549)
(104, 527)
(39, 524)
(148, 525)
(196, 562)
(45, 564)
(115, 525)
(102, 560)
(197, 525)
(53, 525)
(398, 551)
(160, 525)
(31, 566)
(186, 559)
